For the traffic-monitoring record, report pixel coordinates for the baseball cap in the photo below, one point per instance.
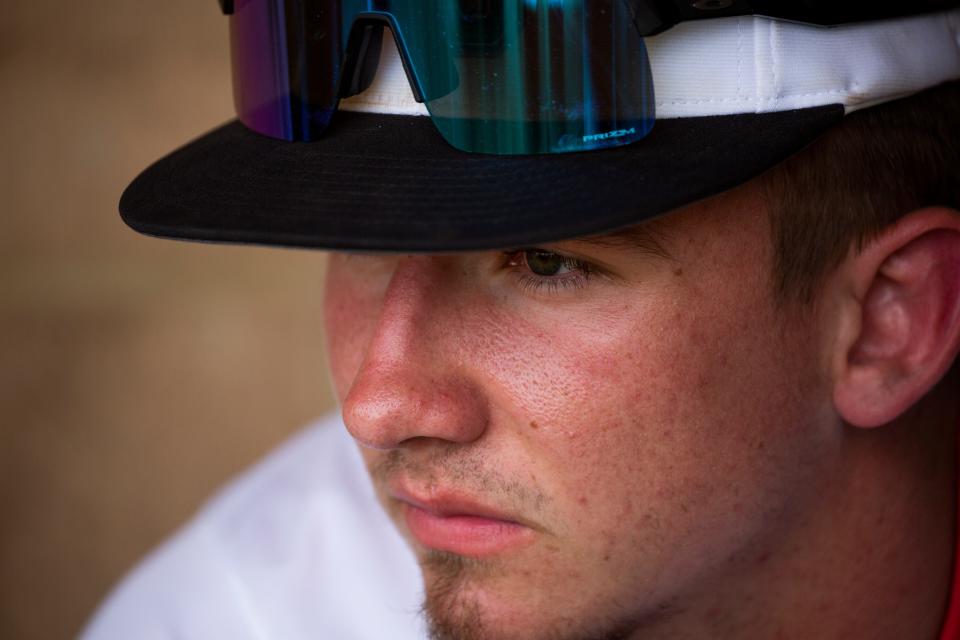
(734, 96)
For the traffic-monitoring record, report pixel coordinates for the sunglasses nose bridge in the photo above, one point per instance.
(362, 54)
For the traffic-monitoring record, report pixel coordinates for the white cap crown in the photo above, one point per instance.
(726, 66)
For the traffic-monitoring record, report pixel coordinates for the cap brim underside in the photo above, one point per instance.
(391, 183)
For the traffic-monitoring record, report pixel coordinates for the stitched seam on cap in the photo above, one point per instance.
(739, 56)
(757, 99)
(774, 60)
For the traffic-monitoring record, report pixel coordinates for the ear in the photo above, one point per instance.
(900, 318)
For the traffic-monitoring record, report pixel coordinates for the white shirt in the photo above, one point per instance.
(295, 548)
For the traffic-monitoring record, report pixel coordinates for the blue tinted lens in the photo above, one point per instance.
(286, 56)
(498, 76)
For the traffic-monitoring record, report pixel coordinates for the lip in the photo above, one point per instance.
(460, 525)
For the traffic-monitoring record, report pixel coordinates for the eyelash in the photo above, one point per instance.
(516, 261)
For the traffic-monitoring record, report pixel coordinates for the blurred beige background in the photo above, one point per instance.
(136, 375)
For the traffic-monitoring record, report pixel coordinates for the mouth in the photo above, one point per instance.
(460, 525)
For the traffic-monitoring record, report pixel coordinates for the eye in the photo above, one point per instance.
(539, 269)
(547, 264)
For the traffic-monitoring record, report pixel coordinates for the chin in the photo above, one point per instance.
(471, 599)
(468, 599)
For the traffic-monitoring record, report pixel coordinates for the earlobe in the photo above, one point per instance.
(906, 286)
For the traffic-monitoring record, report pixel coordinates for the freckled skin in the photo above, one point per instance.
(662, 429)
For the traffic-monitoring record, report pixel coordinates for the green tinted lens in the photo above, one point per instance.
(529, 76)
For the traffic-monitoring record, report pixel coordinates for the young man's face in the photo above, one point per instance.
(582, 455)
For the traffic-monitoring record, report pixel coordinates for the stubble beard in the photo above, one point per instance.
(452, 614)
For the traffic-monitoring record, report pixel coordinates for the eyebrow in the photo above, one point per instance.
(641, 237)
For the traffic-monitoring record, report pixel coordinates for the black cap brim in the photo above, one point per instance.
(391, 183)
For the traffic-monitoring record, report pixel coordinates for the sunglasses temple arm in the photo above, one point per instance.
(226, 6)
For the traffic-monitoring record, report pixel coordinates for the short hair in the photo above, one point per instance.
(863, 175)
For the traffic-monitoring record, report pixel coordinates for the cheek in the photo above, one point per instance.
(581, 402)
(581, 384)
(663, 428)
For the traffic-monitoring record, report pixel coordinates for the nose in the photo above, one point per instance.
(412, 384)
